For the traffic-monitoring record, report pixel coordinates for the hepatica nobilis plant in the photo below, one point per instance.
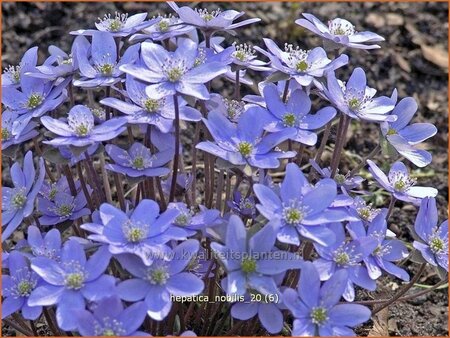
(145, 195)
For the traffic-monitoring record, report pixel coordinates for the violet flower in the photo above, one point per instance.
(404, 137)
(346, 255)
(120, 25)
(37, 97)
(101, 66)
(176, 72)
(48, 246)
(193, 222)
(315, 307)
(244, 143)
(243, 206)
(145, 110)
(18, 202)
(339, 33)
(143, 233)
(230, 108)
(72, 280)
(73, 157)
(64, 207)
(294, 114)
(210, 22)
(8, 139)
(387, 250)
(12, 75)
(356, 99)
(17, 287)
(156, 283)
(79, 130)
(110, 318)
(301, 65)
(168, 26)
(138, 161)
(365, 212)
(49, 189)
(252, 264)
(299, 210)
(400, 184)
(432, 241)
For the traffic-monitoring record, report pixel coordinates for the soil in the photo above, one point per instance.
(413, 59)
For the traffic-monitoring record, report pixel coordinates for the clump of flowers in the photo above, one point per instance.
(156, 199)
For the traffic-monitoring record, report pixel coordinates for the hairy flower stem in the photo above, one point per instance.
(50, 318)
(176, 157)
(119, 190)
(90, 164)
(339, 147)
(33, 328)
(194, 164)
(84, 186)
(219, 190)
(108, 109)
(323, 143)
(402, 299)
(227, 192)
(372, 154)
(237, 86)
(105, 178)
(39, 152)
(18, 327)
(403, 290)
(391, 207)
(286, 90)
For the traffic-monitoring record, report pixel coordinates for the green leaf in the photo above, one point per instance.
(423, 286)
(277, 76)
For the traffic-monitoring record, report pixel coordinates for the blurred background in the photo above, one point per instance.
(413, 59)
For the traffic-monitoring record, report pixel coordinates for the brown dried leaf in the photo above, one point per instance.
(436, 55)
(380, 324)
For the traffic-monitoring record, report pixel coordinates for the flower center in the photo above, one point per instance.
(158, 276)
(14, 73)
(19, 199)
(74, 280)
(25, 287)
(341, 258)
(108, 332)
(151, 105)
(183, 219)
(81, 122)
(114, 24)
(339, 178)
(289, 119)
(207, 16)
(245, 148)
(243, 52)
(341, 27)
(138, 163)
(106, 69)
(391, 131)
(301, 66)
(134, 232)
(437, 245)
(99, 113)
(400, 181)
(292, 216)
(163, 25)
(354, 104)
(6, 134)
(34, 100)
(248, 265)
(319, 315)
(65, 210)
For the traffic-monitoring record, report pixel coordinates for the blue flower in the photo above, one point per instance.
(138, 161)
(110, 318)
(213, 21)
(64, 207)
(304, 66)
(72, 280)
(8, 139)
(17, 287)
(120, 25)
(18, 202)
(166, 27)
(431, 240)
(174, 72)
(400, 184)
(163, 278)
(299, 210)
(144, 233)
(252, 264)
(339, 33)
(193, 222)
(79, 130)
(100, 66)
(346, 255)
(244, 143)
(315, 307)
(356, 99)
(404, 137)
(387, 250)
(48, 246)
(12, 75)
(145, 110)
(295, 113)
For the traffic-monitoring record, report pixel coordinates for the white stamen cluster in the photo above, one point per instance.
(341, 27)
(23, 283)
(158, 275)
(356, 100)
(174, 69)
(81, 122)
(243, 52)
(110, 327)
(184, 218)
(297, 58)
(206, 15)
(14, 73)
(234, 108)
(346, 256)
(135, 232)
(400, 181)
(106, 66)
(75, 275)
(294, 212)
(114, 24)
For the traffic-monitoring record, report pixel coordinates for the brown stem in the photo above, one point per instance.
(323, 143)
(176, 157)
(17, 327)
(119, 190)
(345, 121)
(84, 187)
(373, 153)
